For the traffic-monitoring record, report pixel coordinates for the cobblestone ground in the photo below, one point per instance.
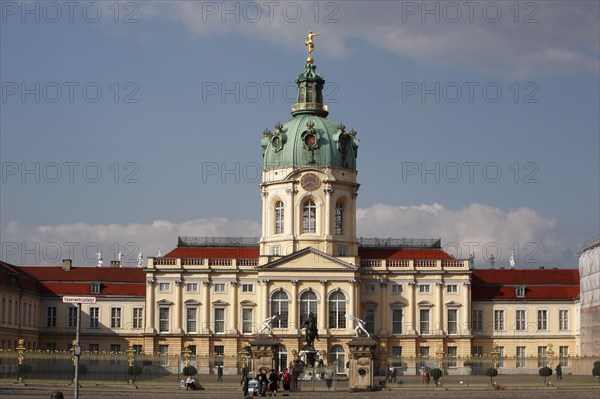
(8, 391)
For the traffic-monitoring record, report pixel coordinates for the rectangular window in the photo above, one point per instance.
(397, 288)
(219, 350)
(71, 317)
(138, 317)
(279, 218)
(369, 289)
(424, 321)
(477, 320)
(342, 250)
(24, 315)
(397, 351)
(115, 348)
(95, 288)
(94, 348)
(499, 320)
(274, 250)
(115, 317)
(477, 351)
(563, 320)
(35, 316)
(452, 289)
(520, 357)
(520, 292)
(94, 317)
(191, 315)
(396, 321)
(542, 319)
(164, 287)
(10, 312)
(520, 324)
(50, 346)
(424, 351)
(500, 356)
(370, 320)
(191, 287)
(452, 321)
(424, 288)
(247, 320)
(247, 288)
(163, 351)
(138, 349)
(164, 319)
(563, 353)
(542, 359)
(219, 320)
(30, 317)
(3, 311)
(50, 316)
(452, 356)
(219, 288)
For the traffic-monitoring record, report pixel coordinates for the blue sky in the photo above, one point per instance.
(126, 124)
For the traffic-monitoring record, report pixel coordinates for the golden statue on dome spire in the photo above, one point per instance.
(311, 45)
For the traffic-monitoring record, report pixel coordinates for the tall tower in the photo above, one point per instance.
(308, 182)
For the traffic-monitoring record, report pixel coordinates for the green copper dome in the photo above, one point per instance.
(309, 138)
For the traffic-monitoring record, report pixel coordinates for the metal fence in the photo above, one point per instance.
(166, 370)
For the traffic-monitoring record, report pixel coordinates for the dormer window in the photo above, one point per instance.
(520, 292)
(96, 288)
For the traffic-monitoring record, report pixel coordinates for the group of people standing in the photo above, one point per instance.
(269, 383)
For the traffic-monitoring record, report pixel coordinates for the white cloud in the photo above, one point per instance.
(559, 37)
(484, 229)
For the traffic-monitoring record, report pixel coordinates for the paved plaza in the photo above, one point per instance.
(39, 391)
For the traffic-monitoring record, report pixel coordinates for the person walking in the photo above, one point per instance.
(427, 378)
(558, 372)
(273, 380)
(286, 382)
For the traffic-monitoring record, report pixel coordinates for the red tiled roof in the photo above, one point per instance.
(551, 284)
(20, 279)
(214, 252)
(401, 253)
(53, 280)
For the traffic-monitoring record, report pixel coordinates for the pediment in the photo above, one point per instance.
(192, 302)
(220, 303)
(309, 259)
(398, 304)
(247, 303)
(164, 302)
(425, 304)
(453, 304)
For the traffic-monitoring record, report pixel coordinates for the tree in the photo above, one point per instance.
(545, 372)
(491, 372)
(189, 370)
(436, 374)
(596, 369)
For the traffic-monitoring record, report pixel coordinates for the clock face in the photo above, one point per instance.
(310, 182)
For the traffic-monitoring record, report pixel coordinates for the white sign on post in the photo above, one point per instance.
(79, 299)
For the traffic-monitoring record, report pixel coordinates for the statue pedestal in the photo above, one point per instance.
(361, 375)
(264, 353)
(309, 355)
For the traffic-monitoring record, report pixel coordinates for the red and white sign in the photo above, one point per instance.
(79, 299)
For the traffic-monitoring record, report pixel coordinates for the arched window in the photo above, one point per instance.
(309, 217)
(279, 305)
(337, 357)
(308, 304)
(337, 310)
(279, 214)
(281, 360)
(339, 218)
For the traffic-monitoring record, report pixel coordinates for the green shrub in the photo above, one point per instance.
(596, 369)
(491, 372)
(545, 372)
(134, 370)
(189, 370)
(436, 374)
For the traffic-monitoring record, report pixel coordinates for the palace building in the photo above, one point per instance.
(212, 294)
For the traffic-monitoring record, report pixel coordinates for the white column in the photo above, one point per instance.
(233, 311)
(265, 302)
(383, 330)
(150, 308)
(351, 305)
(411, 326)
(439, 303)
(293, 316)
(178, 308)
(322, 318)
(466, 311)
(206, 306)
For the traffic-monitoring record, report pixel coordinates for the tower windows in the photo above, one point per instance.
(279, 215)
(309, 217)
(339, 218)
